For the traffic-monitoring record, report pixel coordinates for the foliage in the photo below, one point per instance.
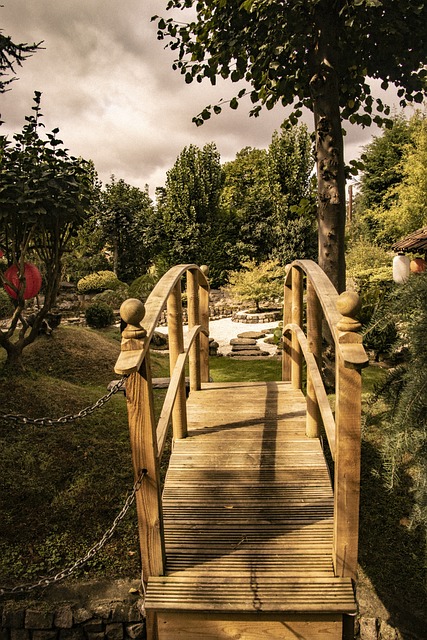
(399, 206)
(370, 272)
(6, 306)
(257, 283)
(313, 54)
(114, 298)
(189, 207)
(12, 54)
(405, 392)
(99, 315)
(381, 164)
(45, 195)
(142, 286)
(246, 197)
(290, 167)
(99, 281)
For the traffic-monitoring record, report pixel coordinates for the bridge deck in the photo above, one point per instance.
(248, 516)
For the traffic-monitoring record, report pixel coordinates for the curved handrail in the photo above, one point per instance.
(319, 389)
(328, 297)
(130, 361)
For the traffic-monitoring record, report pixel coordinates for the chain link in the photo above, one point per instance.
(49, 422)
(65, 573)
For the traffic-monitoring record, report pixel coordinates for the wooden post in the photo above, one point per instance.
(193, 320)
(314, 339)
(176, 346)
(286, 339)
(204, 321)
(143, 439)
(347, 456)
(296, 367)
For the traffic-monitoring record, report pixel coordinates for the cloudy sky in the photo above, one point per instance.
(108, 85)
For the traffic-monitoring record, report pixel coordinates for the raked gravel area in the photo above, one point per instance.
(224, 330)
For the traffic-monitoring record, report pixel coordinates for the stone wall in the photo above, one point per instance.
(84, 611)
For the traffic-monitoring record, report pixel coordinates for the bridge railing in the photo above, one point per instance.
(148, 437)
(326, 311)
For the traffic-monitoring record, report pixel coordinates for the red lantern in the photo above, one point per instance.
(33, 281)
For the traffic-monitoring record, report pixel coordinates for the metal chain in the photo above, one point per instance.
(49, 422)
(65, 573)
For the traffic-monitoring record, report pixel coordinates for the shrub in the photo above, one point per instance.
(99, 315)
(99, 281)
(6, 306)
(114, 298)
(142, 286)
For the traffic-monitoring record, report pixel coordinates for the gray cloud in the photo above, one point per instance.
(108, 85)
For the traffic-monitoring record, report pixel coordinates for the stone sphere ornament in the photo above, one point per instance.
(33, 281)
(348, 305)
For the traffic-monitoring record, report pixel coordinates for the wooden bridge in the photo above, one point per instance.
(250, 539)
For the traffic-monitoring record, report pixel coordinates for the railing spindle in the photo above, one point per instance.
(193, 319)
(176, 346)
(314, 338)
(296, 366)
(204, 321)
(286, 337)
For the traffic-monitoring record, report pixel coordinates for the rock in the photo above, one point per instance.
(255, 335)
(244, 354)
(368, 629)
(387, 632)
(64, 618)
(35, 619)
(242, 341)
(245, 347)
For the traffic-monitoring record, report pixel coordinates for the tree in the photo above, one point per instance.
(401, 207)
(45, 195)
(124, 224)
(316, 54)
(189, 207)
(257, 282)
(12, 54)
(290, 164)
(381, 163)
(247, 199)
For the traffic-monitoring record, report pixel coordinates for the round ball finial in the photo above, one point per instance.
(205, 270)
(348, 305)
(132, 312)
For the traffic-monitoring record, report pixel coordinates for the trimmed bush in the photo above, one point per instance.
(99, 315)
(6, 306)
(142, 286)
(99, 281)
(114, 298)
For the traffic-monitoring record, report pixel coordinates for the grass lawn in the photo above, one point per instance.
(62, 486)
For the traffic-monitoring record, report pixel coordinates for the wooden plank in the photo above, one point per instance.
(184, 626)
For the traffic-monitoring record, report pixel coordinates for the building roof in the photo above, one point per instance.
(415, 241)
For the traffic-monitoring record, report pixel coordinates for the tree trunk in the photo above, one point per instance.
(14, 362)
(329, 158)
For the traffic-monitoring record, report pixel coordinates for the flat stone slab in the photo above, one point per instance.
(245, 347)
(253, 353)
(255, 335)
(242, 341)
